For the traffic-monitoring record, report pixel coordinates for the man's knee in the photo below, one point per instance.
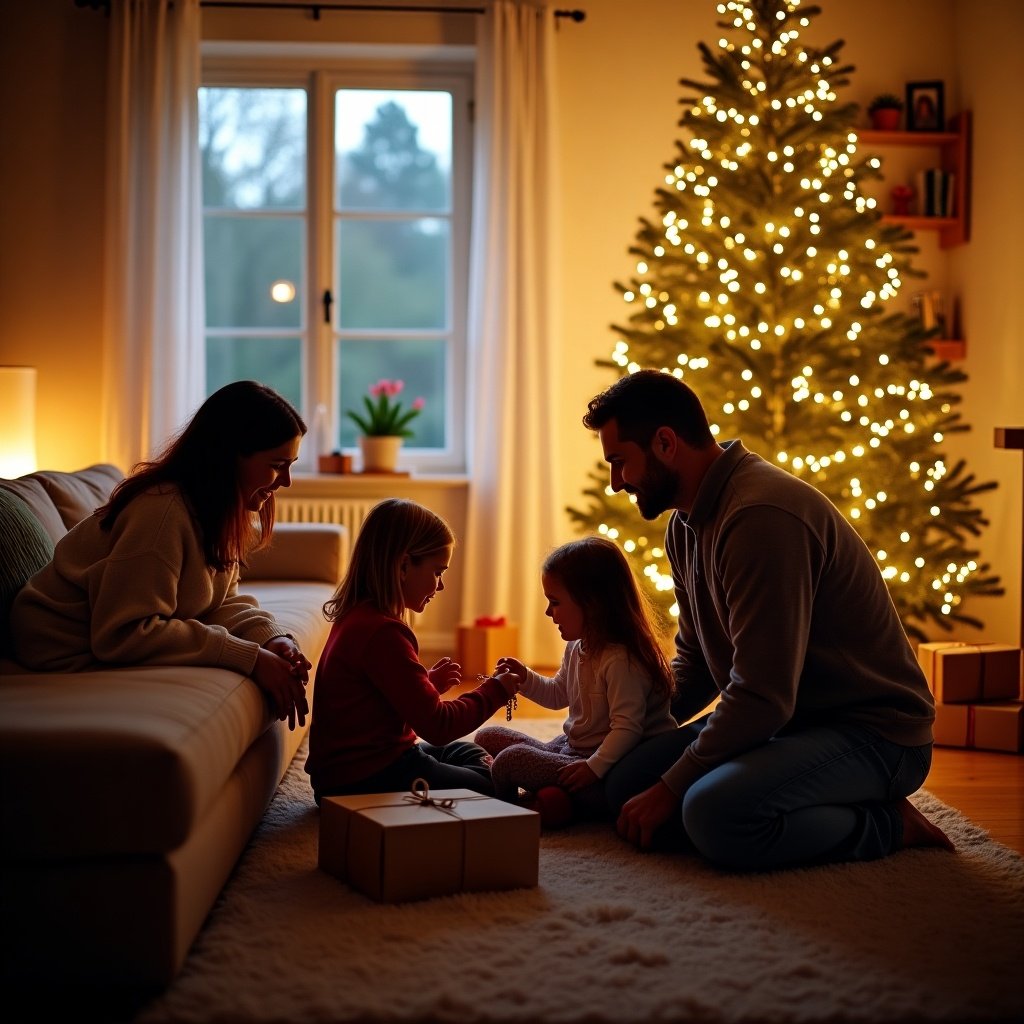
(720, 822)
(625, 780)
(644, 765)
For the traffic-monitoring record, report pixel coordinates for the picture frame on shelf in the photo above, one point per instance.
(925, 107)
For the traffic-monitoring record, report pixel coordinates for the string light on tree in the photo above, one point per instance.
(767, 281)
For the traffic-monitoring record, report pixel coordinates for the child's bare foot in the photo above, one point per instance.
(918, 830)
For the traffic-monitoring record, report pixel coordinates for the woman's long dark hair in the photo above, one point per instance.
(203, 462)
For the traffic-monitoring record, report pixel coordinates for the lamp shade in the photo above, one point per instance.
(17, 420)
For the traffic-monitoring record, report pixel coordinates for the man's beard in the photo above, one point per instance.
(656, 491)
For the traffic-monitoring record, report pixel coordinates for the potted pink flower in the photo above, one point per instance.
(383, 425)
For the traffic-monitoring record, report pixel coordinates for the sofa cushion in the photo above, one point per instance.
(26, 548)
(60, 500)
(33, 494)
(128, 760)
(77, 495)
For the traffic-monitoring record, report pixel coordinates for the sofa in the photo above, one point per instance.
(129, 793)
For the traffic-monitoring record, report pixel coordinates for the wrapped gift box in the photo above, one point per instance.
(954, 725)
(395, 847)
(995, 726)
(960, 673)
(999, 726)
(480, 645)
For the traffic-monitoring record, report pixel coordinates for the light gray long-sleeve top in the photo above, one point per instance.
(612, 702)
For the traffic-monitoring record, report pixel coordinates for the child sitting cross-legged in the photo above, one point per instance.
(379, 722)
(614, 679)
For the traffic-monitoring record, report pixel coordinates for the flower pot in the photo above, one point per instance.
(885, 119)
(379, 453)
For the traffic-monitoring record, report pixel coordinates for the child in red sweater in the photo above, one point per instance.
(373, 697)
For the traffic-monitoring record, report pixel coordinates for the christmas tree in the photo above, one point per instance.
(769, 283)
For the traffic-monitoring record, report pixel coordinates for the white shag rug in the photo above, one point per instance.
(612, 936)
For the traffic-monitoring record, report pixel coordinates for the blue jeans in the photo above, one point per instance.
(811, 796)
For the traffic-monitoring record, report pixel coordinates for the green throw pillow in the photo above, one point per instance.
(25, 547)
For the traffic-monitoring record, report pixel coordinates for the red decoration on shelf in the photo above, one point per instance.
(901, 196)
(484, 621)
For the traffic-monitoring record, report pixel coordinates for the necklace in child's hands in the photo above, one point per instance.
(513, 701)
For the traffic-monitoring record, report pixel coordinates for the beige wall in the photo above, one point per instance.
(989, 271)
(52, 95)
(618, 96)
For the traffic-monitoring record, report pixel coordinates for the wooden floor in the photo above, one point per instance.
(986, 787)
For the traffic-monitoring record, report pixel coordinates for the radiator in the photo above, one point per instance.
(347, 512)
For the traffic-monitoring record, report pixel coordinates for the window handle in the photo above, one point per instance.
(328, 301)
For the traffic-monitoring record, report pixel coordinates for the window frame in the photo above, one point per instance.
(321, 70)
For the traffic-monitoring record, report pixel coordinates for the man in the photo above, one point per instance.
(823, 725)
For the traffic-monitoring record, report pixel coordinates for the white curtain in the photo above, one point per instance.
(512, 513)
(153, 370)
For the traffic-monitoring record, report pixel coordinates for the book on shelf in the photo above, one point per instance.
(935, 193)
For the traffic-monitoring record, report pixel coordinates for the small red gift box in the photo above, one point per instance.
(480, 645)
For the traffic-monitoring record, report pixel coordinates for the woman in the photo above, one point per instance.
(152, 576)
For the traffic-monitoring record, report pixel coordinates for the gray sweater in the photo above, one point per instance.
(783, 613)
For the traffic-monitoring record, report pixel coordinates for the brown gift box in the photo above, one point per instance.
(479, 647)
(395, 847)
(954, 724)
(999, 726)
(960, 673)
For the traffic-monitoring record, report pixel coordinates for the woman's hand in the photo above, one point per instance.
(285, 647)
(285, 690)
(576, 776)
(445, 674)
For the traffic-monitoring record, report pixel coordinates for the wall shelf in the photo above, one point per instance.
(954, 149)
(947, 348)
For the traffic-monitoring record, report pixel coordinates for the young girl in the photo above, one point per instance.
(614, 679)
(373, 696)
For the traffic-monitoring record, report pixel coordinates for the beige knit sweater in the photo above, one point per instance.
(138, 593)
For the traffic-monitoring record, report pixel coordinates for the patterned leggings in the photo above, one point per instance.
(522, 761)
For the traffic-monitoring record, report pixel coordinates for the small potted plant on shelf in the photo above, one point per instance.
(384, 425)
(884, 111)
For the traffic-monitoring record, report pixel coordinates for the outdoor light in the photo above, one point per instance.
(282, 291)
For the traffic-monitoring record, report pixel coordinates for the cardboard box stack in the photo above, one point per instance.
(395, 847)
(978, 698)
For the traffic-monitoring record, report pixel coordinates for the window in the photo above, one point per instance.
(336, 203)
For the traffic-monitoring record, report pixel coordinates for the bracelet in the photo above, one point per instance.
(512, 702)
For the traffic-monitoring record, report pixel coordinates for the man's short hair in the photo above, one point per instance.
(642, 402)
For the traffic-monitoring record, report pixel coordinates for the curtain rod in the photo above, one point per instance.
(574, 15)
